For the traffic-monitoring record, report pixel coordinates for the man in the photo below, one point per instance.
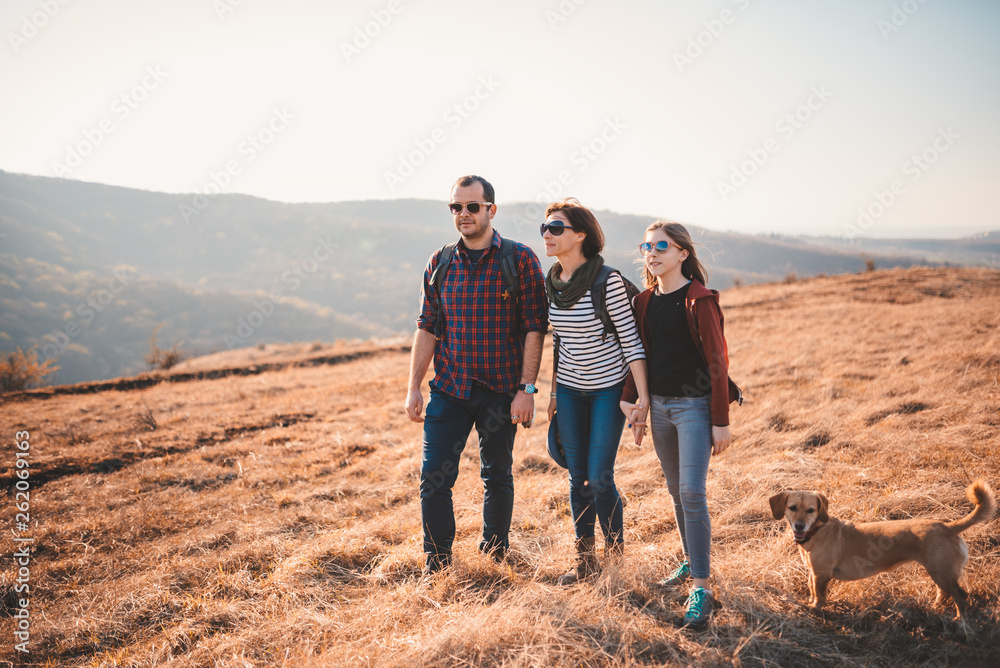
(486, 354)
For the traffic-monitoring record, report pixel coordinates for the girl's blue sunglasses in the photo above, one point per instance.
(659, 246)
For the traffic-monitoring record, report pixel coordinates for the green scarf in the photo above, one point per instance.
(566, 293)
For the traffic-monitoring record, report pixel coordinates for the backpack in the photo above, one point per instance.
(599, 298)
(508, 265)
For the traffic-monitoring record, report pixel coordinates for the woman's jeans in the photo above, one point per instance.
(590, 427)
(682, 435)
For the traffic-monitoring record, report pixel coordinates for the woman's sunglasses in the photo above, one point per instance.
(473, 207)
(555, 228)
(659, 247)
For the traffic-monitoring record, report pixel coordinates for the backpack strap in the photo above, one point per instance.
(599, 296)
(555, 353)
(508, 264)
(437, 279)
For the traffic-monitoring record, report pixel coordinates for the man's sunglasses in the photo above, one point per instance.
(473, 207)
(554, 227)
(659, 247)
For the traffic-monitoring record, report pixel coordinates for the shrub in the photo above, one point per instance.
(158, 358)
(145, 420)
(19, 371)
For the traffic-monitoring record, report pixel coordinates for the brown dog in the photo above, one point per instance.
(838, 550)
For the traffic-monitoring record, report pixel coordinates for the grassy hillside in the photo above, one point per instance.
(273, 518)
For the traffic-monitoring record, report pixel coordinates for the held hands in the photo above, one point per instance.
(720, 439)
(636, 414)
(414, 405)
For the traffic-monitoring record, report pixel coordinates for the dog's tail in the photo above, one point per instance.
(980, 494)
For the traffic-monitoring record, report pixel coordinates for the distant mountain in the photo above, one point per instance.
(982, 249)
(108, 264)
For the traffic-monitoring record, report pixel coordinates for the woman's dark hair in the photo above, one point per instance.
(582, 220)
(488, 193)
(692, 267)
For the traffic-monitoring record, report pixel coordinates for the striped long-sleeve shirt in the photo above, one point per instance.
(586, 362)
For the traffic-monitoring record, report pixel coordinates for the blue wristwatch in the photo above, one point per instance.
(528, 388)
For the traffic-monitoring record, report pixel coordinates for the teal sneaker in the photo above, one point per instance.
(699, 609)
(680, 576)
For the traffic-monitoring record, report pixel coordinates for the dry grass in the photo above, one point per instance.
(273, 519)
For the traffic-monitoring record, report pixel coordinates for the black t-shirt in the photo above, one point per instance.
(676, 369)
(474, 255)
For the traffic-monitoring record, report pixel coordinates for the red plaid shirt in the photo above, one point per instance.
(484, 329)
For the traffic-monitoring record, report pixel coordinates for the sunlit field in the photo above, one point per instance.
(271, 517)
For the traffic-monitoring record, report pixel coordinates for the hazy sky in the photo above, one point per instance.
(747, 115)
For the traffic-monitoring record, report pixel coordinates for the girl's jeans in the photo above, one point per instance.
(682, 435)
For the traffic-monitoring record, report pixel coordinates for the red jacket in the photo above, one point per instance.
(705, 320)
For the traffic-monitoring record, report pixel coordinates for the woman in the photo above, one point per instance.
(680, 322)
(589, 377)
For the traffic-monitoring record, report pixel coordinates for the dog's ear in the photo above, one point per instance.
(822, 515)
(778, 505)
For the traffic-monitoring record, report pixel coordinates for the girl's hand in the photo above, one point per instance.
(638, 431)
(720, 439)
(552, 408)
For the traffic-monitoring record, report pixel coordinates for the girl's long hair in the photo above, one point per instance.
(691, 268)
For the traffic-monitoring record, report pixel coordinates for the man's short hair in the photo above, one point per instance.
(488, 193)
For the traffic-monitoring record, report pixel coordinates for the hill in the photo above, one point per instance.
(234, 271)
(268, 515)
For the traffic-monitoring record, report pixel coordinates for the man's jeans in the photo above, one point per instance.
(447, 424)
(590, 427)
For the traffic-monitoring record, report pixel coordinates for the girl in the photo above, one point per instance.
(680, 323)
(590, 376)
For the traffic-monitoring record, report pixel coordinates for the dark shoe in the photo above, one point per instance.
(497, 551)
(700, 606)
(614, 551)
(436, 563)
(680, 576)
(586, 562)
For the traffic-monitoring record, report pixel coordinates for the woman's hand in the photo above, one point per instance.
(631, 411)
(552, 408)
(636, 414)
(720, 439)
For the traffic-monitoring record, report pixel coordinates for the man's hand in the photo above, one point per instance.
(720, 439)
(522, 408)
(414, 405)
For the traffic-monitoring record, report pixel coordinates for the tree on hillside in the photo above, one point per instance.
(19, 371)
